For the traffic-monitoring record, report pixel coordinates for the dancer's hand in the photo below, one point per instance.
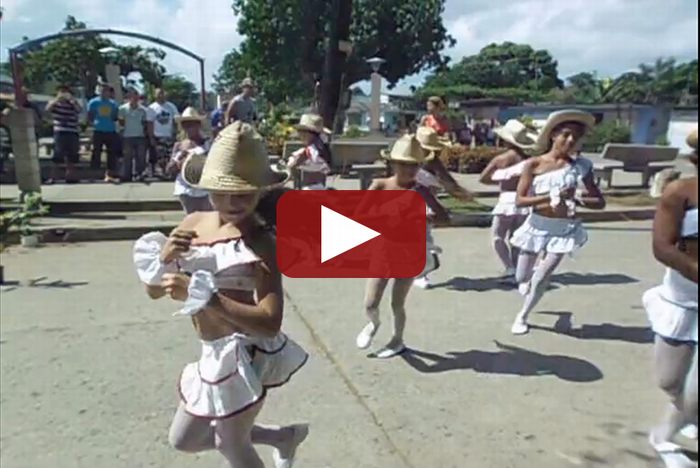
(568, 193)
(178, 244)
(175, 285)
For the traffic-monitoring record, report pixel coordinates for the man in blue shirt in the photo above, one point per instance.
(103, 113)
(217, 119)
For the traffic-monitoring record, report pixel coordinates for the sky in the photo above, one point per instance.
(607, 36)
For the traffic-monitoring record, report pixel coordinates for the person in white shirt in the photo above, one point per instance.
(163, 128)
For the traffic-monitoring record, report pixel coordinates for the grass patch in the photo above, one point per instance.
(636, 200)
(459, 206)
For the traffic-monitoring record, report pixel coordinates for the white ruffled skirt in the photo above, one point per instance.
(506, 206)
(235, 372)
(669, 319)
(553, 235)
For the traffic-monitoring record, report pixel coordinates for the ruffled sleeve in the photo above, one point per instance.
(200, 291)
(147, 258)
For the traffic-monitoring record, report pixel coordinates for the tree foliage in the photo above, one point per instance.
(662, 82)
(180, 91)
(285, 41)
(77, 61)
(498, 69)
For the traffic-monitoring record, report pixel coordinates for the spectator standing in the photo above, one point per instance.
(243, 107)
(163, 128)
(218, 117)
(65, 112)
(151, 151)
(103, 113)
(137, 130)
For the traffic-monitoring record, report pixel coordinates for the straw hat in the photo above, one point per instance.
(430, 140)
(248, 83)
(438, 101)
(237, 162)
(190, 115)
(555, 119)
(312, 123)
(692, 140)
(517, 134)
(406, 149)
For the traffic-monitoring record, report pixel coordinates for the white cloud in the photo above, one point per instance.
(610, 36)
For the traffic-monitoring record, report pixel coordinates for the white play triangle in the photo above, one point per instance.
(340, 234)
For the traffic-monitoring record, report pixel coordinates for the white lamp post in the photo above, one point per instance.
(375, 109)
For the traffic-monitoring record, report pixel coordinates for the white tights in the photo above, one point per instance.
(537, 277)
(502, 228)
(232, 437)
(677, 373)
(399, 293)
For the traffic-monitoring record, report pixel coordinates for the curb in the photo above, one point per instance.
(120, 233)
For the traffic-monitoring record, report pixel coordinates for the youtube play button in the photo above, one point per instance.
(351, 234)
(340, 234)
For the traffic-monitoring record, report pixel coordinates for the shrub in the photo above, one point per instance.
(607, 132)
(463, 159)
(354, 132)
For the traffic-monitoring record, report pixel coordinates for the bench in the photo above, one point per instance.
(646, 160)
(368, 172)
(345, 153)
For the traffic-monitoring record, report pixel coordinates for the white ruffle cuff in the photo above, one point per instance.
(200, 291)
(149, 267)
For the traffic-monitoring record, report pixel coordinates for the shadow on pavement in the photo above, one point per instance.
(510, 360)
(462, 283)
(574, 279)
(498, 283)
(41, 283)
(604, 331)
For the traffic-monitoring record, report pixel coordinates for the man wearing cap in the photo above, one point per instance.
(243, 108)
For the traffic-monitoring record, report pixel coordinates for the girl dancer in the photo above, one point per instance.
(435, 118)
(673, 312)
(507, 217)
(549, 185)
(191, 198)
(221, 265)
(314, 158)
(406, 157)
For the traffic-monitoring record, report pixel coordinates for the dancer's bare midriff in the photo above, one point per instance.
(209, 326)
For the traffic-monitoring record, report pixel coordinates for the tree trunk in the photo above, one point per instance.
(335, 60)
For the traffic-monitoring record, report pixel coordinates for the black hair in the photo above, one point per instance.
(267, 207)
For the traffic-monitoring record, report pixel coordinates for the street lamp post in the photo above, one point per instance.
(375, 109)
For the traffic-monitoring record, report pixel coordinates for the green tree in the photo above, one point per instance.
(77, 61)
(662, 82)
(145, 61)
(585, 88)
(517, 69)
(285, 42)
(181, 92)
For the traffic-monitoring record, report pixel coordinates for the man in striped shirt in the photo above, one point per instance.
(65, 111)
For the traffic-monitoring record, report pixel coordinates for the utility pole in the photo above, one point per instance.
(336, 58)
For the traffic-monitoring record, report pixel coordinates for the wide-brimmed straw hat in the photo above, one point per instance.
(190, 114)
(558, 118)
(406, 149)
(430, 140)
(237, 162)
(692, 140)
(312, 123)
(517, 134)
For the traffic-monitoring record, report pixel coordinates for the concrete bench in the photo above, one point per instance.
(368, 172)
(646, 160)
(346, 154)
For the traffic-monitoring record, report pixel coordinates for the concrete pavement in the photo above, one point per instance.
(89, 365)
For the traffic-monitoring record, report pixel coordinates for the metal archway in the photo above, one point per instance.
(17, 51)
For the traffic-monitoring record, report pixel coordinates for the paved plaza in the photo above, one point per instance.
(89, 365)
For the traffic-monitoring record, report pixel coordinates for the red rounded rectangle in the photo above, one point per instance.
(351, 234)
